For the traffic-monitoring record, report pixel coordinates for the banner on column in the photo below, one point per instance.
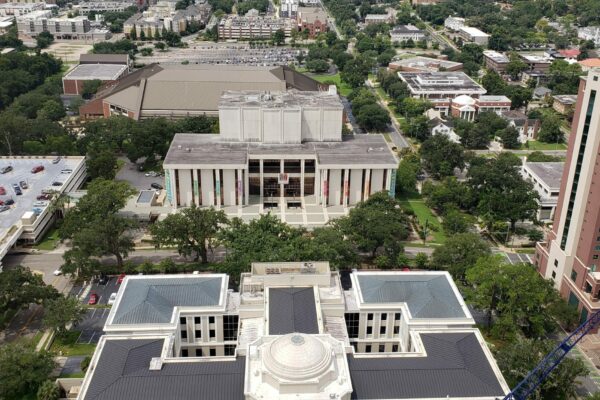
(168, 185)
(393, 184)
(196, 191)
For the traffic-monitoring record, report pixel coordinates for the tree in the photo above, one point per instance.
(373, 117)
(460, 253)
(52, 110)
(509, 137)
(564, 77)
(48, 391)
(411, 107)
(278, 37)
(317, 65)
(517, 359)
(23, 370)
(376, 223)
(20, 287)
(418, 128)
(447, 195)
(90, 88)
(455, 222)
(538, 156)
(44, 39)
(550, 131)
(101, 162)
(515, 67)
(441, 156)
(62, 311)
(355, 71)
(422, 261)
(192, 230)
(406, 174)
(94, 225)
(493, 83)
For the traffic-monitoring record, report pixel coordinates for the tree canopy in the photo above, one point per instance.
(23, 370)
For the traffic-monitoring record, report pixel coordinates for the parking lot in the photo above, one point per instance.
(229, 53)
(136, 178)
(515, 258)
(92, 325)
(36, 183)
(103, 291)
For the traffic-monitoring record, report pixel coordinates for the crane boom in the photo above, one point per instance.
(551, 361)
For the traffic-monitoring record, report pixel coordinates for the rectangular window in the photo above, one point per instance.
(553, 274)
(598, 239)
(370, 317)
(211, 333)
(196, 320)
(230, 327)
(573, 275)
(556, 263)
(395, 348)
(595, 256)
(352, 324)
(597, 248)
(213, 352)
(397, 316)
(182, 320)
(184, 352)
(198, 352)
(396, 330)
(369, 330)
(211, 320)
(382, 348)
(382, 330)
(229, 349)
(184, 334)
(368, 348)
(384, 316)
(198, 334)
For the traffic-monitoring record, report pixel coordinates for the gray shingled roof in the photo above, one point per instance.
(122, 372)
(455, 366)
(427, 296)
(292, 310)
(151, 301)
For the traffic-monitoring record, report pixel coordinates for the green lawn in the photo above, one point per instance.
(423, 213)
(68, 346)
(50, 240)
(535, 145)
(343, 88)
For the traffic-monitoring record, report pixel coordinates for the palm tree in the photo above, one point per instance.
(48, 391)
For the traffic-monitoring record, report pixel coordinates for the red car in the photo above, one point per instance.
(2, 191)
(93, 299)
(37, 169)
(121, 277)
(43, 197)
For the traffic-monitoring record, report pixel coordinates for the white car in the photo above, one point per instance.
(57, 272)
(112, 299)
(40, 204)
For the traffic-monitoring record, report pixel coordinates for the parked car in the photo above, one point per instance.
(37, 210)
(48, 191)
(156, 186)
(23, 185)
(56, 160)
(2, 191)
(4, 208)
(57, 183)
(43, 197)
(17, 189)
(93, 299)
(120, 279)
(36, 169)
(57, 272)
(66, 171)
(112, 299)
(9, 202)
(6, 169)
(40, 204)
(103, 280)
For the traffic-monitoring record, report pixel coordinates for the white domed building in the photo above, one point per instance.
(464, 107)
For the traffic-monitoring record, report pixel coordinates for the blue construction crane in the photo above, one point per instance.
(551, 361)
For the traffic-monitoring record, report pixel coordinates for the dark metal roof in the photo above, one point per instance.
(292, 310)
(455, 366)
(123, 372)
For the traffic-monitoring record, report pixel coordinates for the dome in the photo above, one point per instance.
(464, 100)
(297, 357)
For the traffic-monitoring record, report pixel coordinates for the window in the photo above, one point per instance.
(184, 334)
(396, 330)
(213, 352)
(368, 348)
(573, 275)
(382, 348)
(397, 316)
(355, 345)
(230, 349)
(196, 320)
(595, 256)
(395, 348)
(556, 263)
(370, 317)
(211, 333)
(182, 320)
(553, 274)
(184, 352)
(598, 239)
(211, 320)
(384, 316)
(198, 334)
(369, 330)
(352, 324)
(230, 327)
(382, 330)
(198, 352)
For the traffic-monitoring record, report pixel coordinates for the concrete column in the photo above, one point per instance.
(346, 187)
(247, 186)
(207, 177)
(218, 187)
(376, 181)
(185, 187)
(229, 187)
(301, 178)
(335, 184)
(367, 188)
(262, 180)
(388, 179)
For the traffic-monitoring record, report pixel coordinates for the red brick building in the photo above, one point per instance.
(74, 80)
(312, 19)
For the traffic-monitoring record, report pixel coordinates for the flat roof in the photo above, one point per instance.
(496, 56)
(440, 82)
(425, 63)
(104, 58)
(122, 371)
(209, 149)
(151, 299)
(473, 31)
(279, 99)
(406, 29)
(292, 309)
(103, 72)
(494, 98)
(550, 173)
(456, 366)
(427, 294)
(567, 99)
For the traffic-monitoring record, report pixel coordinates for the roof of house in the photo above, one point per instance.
(146, 300)
(103, 72)
(566, 99)
(426, 295)
(455, 366)
(292, 310)
(550, 173)
(123, 372)
(590, 62)
(541, 91)
(208, 149)
(570, 52)
(311, 14)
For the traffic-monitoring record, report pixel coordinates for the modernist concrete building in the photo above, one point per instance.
(281, 152)
(404, 33)
(454, 23)
(473, 35)
(292, 332)
(441, 85)
(570, 255)
(545, 177)
(76, 28)
(253, 26)
(424, 64)
(495, 61)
